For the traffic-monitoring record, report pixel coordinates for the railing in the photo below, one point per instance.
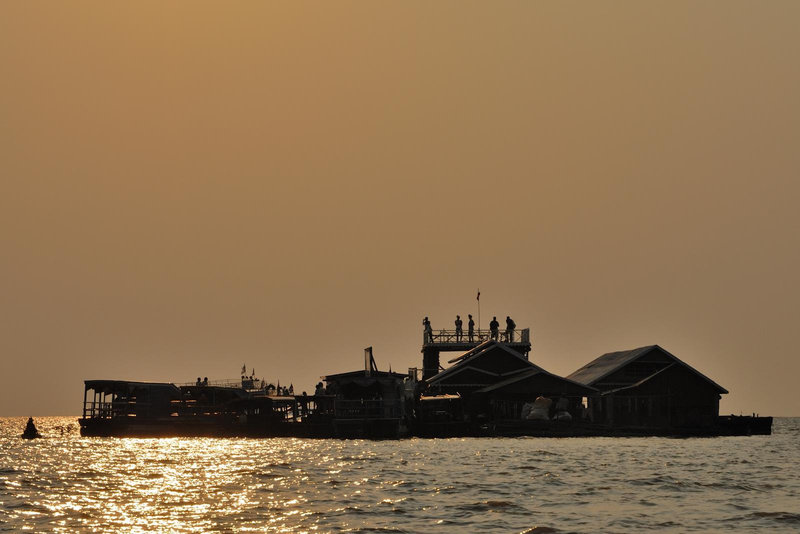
(108, 410)
(95, 409)
(226, 383)
(361, 409)
(254, 386)
(478, 336)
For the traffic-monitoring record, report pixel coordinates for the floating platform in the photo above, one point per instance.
(491, 388)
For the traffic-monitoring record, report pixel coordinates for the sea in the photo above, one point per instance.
(68, 483)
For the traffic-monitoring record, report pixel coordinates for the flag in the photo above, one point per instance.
(244, 369)
(479, 294)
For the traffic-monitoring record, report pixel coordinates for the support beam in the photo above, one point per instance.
(430, 361)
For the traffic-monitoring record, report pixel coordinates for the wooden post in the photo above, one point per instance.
(669, 408)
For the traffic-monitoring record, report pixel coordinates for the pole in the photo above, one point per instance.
(479, 315)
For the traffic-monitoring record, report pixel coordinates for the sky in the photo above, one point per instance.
(186, 187)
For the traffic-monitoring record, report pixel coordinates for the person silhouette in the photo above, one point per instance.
(428, 330)
(459, 329)
(471, 329)
(510, 326)
(494, 328)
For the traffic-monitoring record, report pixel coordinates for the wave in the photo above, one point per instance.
(780, 517)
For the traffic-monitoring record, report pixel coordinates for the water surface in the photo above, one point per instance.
(66, 483)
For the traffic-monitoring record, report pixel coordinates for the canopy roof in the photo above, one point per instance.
(108, 386)
(126, 386)
(363, 379)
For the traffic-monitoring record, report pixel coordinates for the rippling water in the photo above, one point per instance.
(65, 483)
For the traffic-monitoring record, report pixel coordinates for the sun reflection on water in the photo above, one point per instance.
(66, 483)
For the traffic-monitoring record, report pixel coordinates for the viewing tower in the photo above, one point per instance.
(452, 341)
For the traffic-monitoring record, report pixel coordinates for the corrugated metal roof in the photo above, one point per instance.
(642, 381)
(533, 372)
(596, 370)
(476, 352)
(607, 364)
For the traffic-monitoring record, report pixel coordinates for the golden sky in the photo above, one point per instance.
(189, 186)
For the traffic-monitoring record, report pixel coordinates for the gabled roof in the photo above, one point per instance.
(598, 369)
(474, 350)
(470, 356)
(642, 381)
(675, 365)
(606, 364)
(533, 372)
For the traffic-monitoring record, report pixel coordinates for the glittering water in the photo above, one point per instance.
(65, 483)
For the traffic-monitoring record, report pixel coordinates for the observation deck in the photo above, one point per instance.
(453, 341)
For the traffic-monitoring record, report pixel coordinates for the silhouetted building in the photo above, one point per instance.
(496, 381)
(368, 402)
(648, 387)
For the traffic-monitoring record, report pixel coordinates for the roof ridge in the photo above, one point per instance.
(474, 353)
(629, 355)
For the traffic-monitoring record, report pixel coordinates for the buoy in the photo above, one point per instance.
(30, 430)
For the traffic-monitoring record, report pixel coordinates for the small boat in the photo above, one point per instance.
(30, 430)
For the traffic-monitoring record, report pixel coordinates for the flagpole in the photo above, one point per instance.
(479, 315)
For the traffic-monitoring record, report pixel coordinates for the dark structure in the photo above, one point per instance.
(440, 416)
(30, 431)
(452, 341)
(492, 388)
(649, 389)
(367, 403)
(367, 406)
(496, 383)
(145, 409)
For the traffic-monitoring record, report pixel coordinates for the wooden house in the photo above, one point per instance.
(650, 388)
(496, 381)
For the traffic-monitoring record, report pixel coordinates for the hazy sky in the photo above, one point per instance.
(188, 186)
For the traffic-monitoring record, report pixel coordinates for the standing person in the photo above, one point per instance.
(510, 326)
(428, 330)
(459, 328)
(494, 328)
(471, 329)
